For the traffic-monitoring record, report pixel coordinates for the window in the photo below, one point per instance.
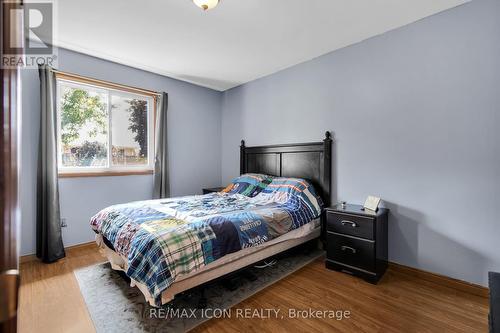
(103, 129)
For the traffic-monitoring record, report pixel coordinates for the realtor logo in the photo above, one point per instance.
(30, 35)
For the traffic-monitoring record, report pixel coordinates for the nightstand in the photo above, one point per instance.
(212, 190)
(357, 241)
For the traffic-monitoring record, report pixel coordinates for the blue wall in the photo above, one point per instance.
(416, 118)
(194, 148)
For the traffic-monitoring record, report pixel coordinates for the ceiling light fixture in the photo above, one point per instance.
(206, 4)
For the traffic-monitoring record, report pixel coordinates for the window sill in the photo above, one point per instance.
(104, 173)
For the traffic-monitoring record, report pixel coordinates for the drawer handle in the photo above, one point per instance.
(353, 250)
(352, 224)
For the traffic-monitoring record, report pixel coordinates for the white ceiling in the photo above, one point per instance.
(237, 42)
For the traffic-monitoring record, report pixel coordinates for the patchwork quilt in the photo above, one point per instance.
(168, 238)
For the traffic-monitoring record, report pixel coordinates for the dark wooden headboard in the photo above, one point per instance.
(311, 161)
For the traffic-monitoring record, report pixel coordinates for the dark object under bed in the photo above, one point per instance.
(494, 284)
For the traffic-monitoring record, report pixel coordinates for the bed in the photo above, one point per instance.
(168, 246)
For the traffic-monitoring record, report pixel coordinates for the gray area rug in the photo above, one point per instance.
(116, 307)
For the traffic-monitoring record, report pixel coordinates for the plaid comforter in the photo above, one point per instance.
(168, 238)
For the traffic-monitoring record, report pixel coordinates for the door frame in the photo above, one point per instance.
(9, 180)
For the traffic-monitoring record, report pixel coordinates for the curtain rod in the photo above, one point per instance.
(105, 83)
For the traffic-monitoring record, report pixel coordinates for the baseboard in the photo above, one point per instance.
(27, 258)
(442, 280)
(33, 257)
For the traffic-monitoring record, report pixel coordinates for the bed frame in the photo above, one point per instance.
(310, 161)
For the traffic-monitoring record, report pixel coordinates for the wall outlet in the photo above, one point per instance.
(63, 223)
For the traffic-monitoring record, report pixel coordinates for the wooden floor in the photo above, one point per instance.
(50, 301)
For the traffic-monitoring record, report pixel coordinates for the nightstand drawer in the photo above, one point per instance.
(351, 251)
(358, 226)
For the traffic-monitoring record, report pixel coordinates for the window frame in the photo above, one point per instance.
(111, 89)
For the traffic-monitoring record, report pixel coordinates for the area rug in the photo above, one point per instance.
(116, 307)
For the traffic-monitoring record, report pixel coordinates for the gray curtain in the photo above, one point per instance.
(161, 187)
(49, 245)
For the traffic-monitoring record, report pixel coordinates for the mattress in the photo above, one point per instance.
(225, 265)
(163, 242)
